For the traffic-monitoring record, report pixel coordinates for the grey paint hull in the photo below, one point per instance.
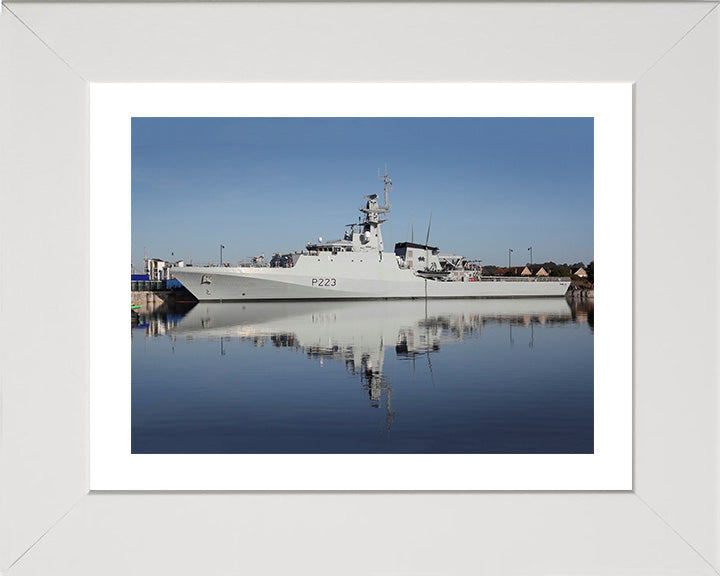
(350, 276)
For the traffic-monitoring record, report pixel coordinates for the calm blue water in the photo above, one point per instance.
(470, 376)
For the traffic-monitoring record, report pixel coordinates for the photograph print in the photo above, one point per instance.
(362, 285)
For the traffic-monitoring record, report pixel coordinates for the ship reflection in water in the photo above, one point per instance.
(443, 376)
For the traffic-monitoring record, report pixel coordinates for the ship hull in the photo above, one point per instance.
(350, 276)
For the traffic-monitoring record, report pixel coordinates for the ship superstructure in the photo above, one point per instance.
(357, 267)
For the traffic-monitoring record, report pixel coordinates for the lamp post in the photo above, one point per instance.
(509, 257)
(221, 249)
(530, 256)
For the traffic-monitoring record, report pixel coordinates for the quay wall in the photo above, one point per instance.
(578, 293)
(155, 298)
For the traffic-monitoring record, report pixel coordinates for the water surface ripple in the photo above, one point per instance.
(442, 376)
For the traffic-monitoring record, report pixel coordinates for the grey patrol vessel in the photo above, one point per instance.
(357, 267)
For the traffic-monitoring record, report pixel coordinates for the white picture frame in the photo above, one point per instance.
(667, 524)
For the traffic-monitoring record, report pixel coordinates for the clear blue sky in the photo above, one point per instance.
(264, 185)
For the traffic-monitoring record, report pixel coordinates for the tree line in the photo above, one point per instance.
(552, 268)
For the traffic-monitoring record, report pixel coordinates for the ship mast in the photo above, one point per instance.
(388, 186)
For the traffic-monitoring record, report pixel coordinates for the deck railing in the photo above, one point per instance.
(523, 279)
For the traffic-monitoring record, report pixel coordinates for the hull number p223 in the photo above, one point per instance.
(324, 282)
